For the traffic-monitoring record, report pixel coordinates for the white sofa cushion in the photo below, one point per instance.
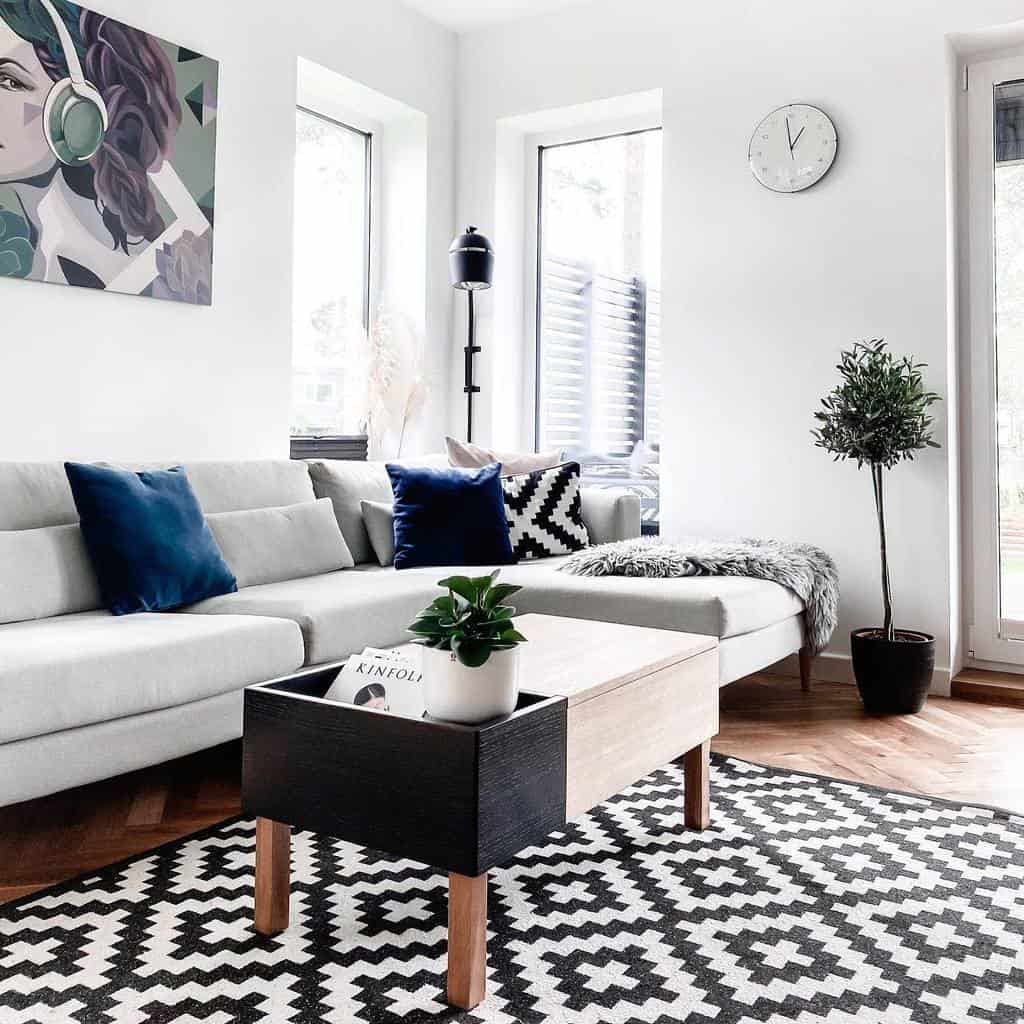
(379, 517)
(348, 484)
(339, 613)
(35, 494)
(342, 612)
(263, 483)
(722, 606)
(267, 545)
(610, 513)
(75, 670)
(45, 572)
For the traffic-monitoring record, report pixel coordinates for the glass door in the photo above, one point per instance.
(996, 182)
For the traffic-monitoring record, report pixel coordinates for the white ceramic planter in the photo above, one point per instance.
(455, 693)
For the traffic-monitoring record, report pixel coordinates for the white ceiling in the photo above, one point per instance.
(464, 15)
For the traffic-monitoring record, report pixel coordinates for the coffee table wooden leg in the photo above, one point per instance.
(697, 796)
(273, 875)
(467, 940)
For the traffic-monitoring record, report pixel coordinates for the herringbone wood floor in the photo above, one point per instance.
(955, 749)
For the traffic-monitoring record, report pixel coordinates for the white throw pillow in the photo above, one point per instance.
(347, 484)
(269, 545)
(379, 517)
(45, 572)
(466, 455)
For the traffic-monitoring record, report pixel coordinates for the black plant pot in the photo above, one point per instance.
(893, 676)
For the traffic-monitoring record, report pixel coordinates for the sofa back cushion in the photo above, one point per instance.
(348, 484)
(42, 547)
(230, 486)
(45, 572)
(36, 494)
(379, 517)
(270, 545)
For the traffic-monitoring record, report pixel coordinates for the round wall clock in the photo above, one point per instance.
(793, 148)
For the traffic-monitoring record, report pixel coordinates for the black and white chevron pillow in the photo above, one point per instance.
(545, 516)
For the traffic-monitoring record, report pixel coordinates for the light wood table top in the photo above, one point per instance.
(581, 658)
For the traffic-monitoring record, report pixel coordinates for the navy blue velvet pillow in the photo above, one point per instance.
(147, 538)
(449, 517)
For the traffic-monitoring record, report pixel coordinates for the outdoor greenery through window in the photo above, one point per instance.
(599, 309)
(331, 272)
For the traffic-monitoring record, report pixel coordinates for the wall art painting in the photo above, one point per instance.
(107, 153)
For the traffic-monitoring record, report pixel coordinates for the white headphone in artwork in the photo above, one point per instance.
(75, 118)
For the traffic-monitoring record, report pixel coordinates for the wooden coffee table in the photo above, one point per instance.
(602, 706)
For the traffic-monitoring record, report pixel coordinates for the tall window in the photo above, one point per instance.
(332, 270)
(995, 252)
(1008, 226)
(599, 309)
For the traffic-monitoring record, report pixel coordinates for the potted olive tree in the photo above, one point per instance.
(471, 657)
(878, 416)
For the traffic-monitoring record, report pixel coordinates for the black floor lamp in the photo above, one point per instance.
(471, 263)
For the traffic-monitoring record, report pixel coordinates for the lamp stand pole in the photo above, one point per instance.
(471, 350)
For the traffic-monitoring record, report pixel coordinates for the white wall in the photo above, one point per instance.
(762, 290)
(109, 376)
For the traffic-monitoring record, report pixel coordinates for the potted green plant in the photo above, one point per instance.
(471, 656)
(878, 416)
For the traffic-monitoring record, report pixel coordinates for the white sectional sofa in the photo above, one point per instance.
(85, 695)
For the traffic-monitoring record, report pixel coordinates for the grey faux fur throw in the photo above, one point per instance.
(806, 570)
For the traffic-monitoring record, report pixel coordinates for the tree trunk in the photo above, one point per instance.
(876, 480)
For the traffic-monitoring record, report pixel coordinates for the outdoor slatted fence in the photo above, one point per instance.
(600, 359)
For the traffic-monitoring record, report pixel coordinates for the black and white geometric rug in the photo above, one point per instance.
(809, 900)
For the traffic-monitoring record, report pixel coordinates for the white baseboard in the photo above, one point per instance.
(838, 668)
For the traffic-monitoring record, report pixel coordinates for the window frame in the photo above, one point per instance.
(539, 145)
(536, 145)
(346, 446)
(990, 640)
(583, 131)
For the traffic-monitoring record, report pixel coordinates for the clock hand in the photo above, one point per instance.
(792, 145)
(789, 138)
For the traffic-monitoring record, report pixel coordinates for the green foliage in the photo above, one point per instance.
(471, 620)
(878, 415)
(1011, 499)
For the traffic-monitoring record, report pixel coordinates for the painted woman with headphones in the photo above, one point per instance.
(88, 110)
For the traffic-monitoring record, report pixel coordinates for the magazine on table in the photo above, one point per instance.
(388, 680)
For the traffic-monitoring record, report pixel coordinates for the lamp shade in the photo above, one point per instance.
(471, 261)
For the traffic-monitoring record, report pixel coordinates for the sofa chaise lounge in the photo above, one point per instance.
(86, 695)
